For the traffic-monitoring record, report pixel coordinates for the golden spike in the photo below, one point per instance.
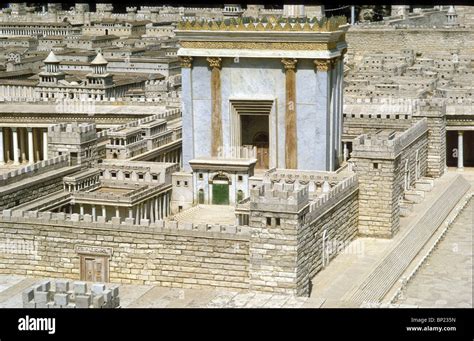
(306, 26)
(259, 27)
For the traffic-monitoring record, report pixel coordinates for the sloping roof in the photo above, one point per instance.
(99, 60)
(51, 58)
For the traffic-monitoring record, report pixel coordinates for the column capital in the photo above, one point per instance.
(460, 132)
(289, 63)
(323, 65)
(214, 62)
(186, 61)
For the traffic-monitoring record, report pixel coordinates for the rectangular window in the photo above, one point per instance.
(178, 183)
(185, 184)
(127, 175)
(277, 221)
(200, 176)
(269, 221)
(239, 177)
(376, 165)
(140, 176)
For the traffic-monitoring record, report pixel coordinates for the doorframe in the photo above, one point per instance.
(235, 127)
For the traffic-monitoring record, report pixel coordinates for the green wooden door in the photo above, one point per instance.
(220, 194)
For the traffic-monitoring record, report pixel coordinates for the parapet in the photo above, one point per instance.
(385, 144)
(72, 133)
(278, 197)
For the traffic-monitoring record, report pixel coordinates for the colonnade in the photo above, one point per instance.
(23, 145)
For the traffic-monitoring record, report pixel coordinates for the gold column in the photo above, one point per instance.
(291, 160)
(215, 64)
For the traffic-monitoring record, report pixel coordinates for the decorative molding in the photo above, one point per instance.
(93, 250)
(289, 63)
(239, 45)
(215, 62)
(186, 61)
(266, 24)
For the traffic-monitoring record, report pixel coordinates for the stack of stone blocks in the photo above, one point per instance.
(71, 295)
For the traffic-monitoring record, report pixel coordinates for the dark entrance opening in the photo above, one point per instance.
(255, 131)
(452, 148)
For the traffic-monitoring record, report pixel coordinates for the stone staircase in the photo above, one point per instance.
(415, 196)
(389, 270)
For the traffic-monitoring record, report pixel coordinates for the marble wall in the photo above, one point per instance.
(261, 79)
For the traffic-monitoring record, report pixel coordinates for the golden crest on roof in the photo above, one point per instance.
(270, 23)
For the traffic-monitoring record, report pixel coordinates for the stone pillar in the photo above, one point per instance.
(104, 212)
(130, 212)
(291, 147)
(152, 211)
(157, 215)
(81, 209)
(45, 144)
(31, 157)
(117, 212)
(460, 150)
(16, 157)
(345, 152)
(323, 67)
(22, 136)
(215, 63)
(93, 213)
(2, 160)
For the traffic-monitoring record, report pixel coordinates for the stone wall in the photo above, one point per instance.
(33, 188)
(381, 163)
(334, 219)
(164, 256)
(424, 40)
(286, 231)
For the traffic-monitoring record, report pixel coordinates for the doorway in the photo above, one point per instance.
(220, 190)
(255, 132)
(94, 268)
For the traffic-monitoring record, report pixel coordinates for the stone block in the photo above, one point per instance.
(87, 218)
(62, 286)
(83, 301)
(28, 295)
(101, 219)
(145, 222)
(29, 305)
(107, 295)
(75, 217)
(44, 286)
(160, 223)
(98, 301)
(97, 288)
(115, 291)
(129, 221)
(42, 297)
(61, 299)
(115, 220)
(80, 288)
(7, 213)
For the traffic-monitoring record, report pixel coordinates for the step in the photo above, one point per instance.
(422, 185)
(406, 207)
(415, 196)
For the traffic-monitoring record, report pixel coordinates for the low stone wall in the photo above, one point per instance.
(25, 191)
(331, 227)
(34, 169)
(136, 254)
